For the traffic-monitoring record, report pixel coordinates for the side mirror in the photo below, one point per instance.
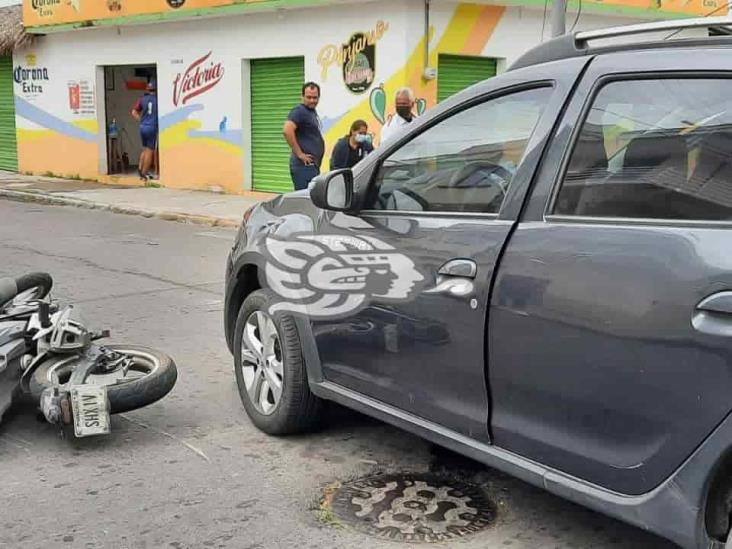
(333, 190)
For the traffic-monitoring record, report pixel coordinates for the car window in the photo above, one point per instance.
(466, 162)
(654, 149)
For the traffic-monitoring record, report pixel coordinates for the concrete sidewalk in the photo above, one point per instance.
(221, 210)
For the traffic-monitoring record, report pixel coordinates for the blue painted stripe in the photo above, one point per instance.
(166, 121)
(38, 116)
(234, 137)
(328, 123)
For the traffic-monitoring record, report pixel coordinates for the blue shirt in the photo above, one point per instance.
(307, 134)
(147, 106)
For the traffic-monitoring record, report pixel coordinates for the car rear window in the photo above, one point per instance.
(653, 149)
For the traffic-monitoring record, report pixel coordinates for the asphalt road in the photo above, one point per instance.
(191, 471)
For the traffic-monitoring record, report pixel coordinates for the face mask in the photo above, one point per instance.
(405, 113)
(363, 138)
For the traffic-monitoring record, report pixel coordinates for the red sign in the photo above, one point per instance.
(74, 96)
(198, 78)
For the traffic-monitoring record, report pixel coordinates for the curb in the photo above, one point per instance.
(46, 198)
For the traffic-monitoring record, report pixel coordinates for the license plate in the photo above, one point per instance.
(90, 407)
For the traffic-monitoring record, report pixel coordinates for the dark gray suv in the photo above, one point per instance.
(537, 274)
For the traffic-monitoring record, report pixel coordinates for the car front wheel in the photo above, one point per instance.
(270, 369)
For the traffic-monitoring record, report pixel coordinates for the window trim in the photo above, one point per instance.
(442, 214)
(637, 221)
(549, 215)
(453, 111)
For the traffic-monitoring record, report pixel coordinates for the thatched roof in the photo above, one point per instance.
(12, 33)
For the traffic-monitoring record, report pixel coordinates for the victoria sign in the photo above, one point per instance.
(198, 78)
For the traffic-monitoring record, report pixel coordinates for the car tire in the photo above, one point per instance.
(276, 409)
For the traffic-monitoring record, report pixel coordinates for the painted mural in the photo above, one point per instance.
(48, 139)
(360, 62)
(58, 12)
(198, 146)
(680, 7)
(467, 31)
(356, 58)
(38, 13)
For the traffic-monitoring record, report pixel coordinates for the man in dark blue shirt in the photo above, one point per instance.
(145, 112)
(303, 135)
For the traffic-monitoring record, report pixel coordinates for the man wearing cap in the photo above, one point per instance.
(145, 112)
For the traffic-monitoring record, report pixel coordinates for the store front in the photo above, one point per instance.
(226, 84)
(124, 86)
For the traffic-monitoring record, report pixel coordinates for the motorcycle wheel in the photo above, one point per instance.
(151, 377)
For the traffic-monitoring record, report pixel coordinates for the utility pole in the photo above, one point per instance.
(559, 16)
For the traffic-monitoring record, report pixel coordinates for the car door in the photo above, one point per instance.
(442, 202)
(610, 331)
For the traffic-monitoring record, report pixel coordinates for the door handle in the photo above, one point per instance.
(718, 303)
(463, 268)
(713, 315)
(455, 278)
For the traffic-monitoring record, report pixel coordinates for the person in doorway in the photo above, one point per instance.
(353, 148)
(405, 102)
(145, 112)
(303, 134)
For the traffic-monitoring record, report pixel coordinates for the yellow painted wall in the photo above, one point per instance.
(57, 12)
(466, 33)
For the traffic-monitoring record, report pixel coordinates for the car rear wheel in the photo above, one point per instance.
(270, 369)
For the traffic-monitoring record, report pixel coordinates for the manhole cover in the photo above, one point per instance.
(413, 507)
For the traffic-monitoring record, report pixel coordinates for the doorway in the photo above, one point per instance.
(124, 86)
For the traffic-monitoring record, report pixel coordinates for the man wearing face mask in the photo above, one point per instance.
(352, 148)
(405, 102)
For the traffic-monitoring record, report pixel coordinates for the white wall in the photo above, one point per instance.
(173, 46)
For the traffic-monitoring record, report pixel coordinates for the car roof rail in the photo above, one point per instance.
(577, 44)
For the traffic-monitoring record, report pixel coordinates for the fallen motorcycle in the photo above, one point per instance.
(47, 352)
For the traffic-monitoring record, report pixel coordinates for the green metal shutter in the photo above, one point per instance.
(276, 86)
(8, 145)
(457, 72)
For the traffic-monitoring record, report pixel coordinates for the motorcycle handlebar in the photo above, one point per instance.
(44, 316)
(10, 288)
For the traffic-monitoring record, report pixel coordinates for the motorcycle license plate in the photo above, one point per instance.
(90, 407)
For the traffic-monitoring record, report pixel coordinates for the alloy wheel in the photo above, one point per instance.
(261, 362)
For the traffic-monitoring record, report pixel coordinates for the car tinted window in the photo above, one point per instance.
(654, 149)
(466, 162)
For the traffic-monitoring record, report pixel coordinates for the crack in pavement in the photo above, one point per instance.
(92, 264)
(146, 292)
